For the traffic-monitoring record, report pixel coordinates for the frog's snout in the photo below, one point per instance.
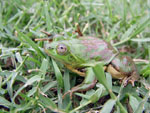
(49, 48)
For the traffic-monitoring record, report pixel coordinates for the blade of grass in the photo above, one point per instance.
(92, 99)
(79, 107)
(17, 69)
(107, 108)
(24, 38)
(59, 95)
(66, 100)
(133, 102)
(48, 86)
(47, 102)
(15, 17)
(44, 67)
(124, 12)
(30, 81)
(99, 73)
(109, 8)
(137, 31)
(36, 78)
(128, 32)
(33, 17)
(58, 74)
(1, 22)
(141, 40)
(4, 102)
(140, 107)
(47, 16)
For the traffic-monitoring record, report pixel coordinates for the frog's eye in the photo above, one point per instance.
(62, 49)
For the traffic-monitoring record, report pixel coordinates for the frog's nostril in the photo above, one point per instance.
(50, 48)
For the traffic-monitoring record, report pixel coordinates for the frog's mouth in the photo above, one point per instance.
(54, 55)
(50, 54)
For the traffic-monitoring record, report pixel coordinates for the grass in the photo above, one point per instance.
(30, 81)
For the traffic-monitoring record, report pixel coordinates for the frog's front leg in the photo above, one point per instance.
(88, 83)
(75, 70)
(123, 67)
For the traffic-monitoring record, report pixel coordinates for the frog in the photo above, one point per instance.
(78, 54)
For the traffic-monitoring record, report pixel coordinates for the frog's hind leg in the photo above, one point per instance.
(131, 79)
(80, 88)
(87, 84)
(125, 68)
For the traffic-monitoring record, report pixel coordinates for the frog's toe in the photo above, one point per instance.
(67, 93)
(80, 88)
(128, 80)
(131, 79)
(132, 82)
(125, 83)
(71, 94)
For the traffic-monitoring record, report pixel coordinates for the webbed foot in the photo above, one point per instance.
(131, 79)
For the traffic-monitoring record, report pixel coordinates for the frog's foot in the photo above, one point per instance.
(80, 88)
(70, 91)
(131, 79)
(127, 80)
(74, 89)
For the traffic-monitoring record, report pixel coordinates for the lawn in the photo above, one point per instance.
(31, 81)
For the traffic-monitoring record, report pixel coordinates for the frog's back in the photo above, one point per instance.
(89, 49)
(97, 49)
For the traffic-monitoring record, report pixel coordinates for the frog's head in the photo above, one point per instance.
(58, 51)
(65, 51)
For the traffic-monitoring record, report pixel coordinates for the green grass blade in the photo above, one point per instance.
(58, 74)
(44, 67)
(99, 73)
(140, 107)
(4, 102)
(25, 39)
(136, 32)
(141, 40)
(48, 86)
(133, 102)
(109, 7)
(30, 81)
(47, 15)
(108, 106)
(48, 102)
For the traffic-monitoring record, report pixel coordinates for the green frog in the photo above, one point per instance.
(78, 54)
